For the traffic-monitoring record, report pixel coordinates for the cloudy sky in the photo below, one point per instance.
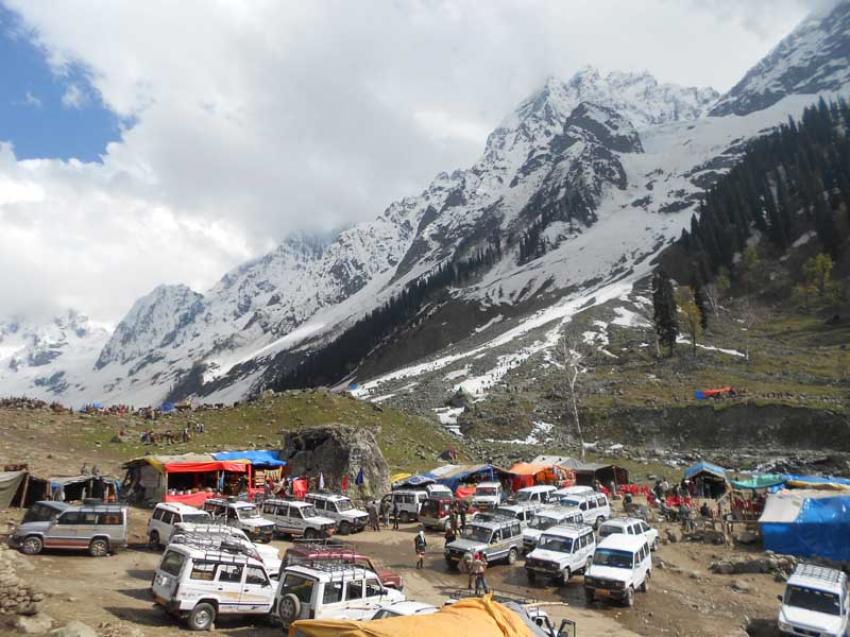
(162, 142)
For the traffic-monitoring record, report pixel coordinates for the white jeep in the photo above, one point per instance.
(200, 584)
(629, 526)
(330, 591)
(242, 515)
(298, 519)
(561, 551)
(816, 602)
(621, 565)
(168, 514)
(219, 536)
(545, 519)
(488, 495)
(341, 510)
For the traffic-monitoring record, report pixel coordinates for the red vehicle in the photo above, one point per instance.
(436, 513)
(332, 551)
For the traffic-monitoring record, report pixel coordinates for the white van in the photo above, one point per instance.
(200, 584)
(621, 565)
(335, 591)
(538, 494)
(561, 551)
(594, 508)
(815, 602)
(166, 515)
(488, 495)
(408, 502)
(574, 490)
(341, 510)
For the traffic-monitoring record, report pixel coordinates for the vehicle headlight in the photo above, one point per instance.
(619, 584)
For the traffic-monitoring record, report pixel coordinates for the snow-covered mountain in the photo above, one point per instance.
(47, 358)
(596, 173)
(815, 57)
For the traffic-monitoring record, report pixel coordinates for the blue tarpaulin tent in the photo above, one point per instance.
(802, 523)
(705, 467)
(257, 457)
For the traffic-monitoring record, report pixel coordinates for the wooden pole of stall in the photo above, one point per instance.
(23, 501)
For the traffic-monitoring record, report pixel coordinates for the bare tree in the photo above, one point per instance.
(712, 295)
(572, 368)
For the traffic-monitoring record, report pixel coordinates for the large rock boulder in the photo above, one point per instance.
(336, 450)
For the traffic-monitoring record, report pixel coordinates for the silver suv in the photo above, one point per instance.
(98, 528)
(498, 539)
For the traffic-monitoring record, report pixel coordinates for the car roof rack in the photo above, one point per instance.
(336, 570)
(823, 573)
(218, 544)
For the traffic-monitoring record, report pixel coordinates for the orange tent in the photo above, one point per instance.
(527, 474)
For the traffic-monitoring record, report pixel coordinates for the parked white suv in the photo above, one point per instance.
(407, 502)
(621, 565)
(538, 494)
(166, 515)
(298, 519)
(330, 591)
(488, 495)
(199, 584)
(816, 602)
(220, 536)
(242, 515)
(341, 510)
(545, 519)
(561, 551)
(630, 526)
(594, 508)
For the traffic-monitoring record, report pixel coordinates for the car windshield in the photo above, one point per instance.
(570, 502)
(812, 599)
(486, 491)
(610, 530)
(248, 512)
(344, 505)
(196, 518)
(523, 496)
(309, 512)
(613, 558)
(477, 533)
(541, 522)
(555, 543)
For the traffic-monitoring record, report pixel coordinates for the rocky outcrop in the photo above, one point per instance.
(336, 450)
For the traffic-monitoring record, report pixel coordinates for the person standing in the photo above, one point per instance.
(385, 512)
(462, 516)
(479, 567)
(450, 534)
(395, 515)
(419, 544)
(372, 510)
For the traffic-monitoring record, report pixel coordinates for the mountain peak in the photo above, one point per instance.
(814, 57)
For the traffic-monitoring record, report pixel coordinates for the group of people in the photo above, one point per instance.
(150, 437)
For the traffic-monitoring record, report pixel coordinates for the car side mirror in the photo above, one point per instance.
(779, 597)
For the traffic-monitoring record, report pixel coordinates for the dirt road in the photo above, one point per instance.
(684, 599)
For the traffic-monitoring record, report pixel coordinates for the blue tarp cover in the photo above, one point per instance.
(415, 481)
(704, 467)
(257, 457)
(820, 529)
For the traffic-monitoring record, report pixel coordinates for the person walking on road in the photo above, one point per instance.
(419, 545)
(372, 510)
(385, 513)
(479, 567)
(395, 516)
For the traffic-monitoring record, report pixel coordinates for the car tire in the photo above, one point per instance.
(531, 576)
(345, 528)
(644, 587)
(629, 599)
(404, 517)
(288, 609)
(98, 547)
(32, 545)
(202, 617)
(310, 534)
(153, 541)
(589, 596)
(512, 555)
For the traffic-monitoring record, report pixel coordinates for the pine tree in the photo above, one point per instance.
(701, 304)
(664, 310)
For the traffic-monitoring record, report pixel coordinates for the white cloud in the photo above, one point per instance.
(74, 97)
(254, 119)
